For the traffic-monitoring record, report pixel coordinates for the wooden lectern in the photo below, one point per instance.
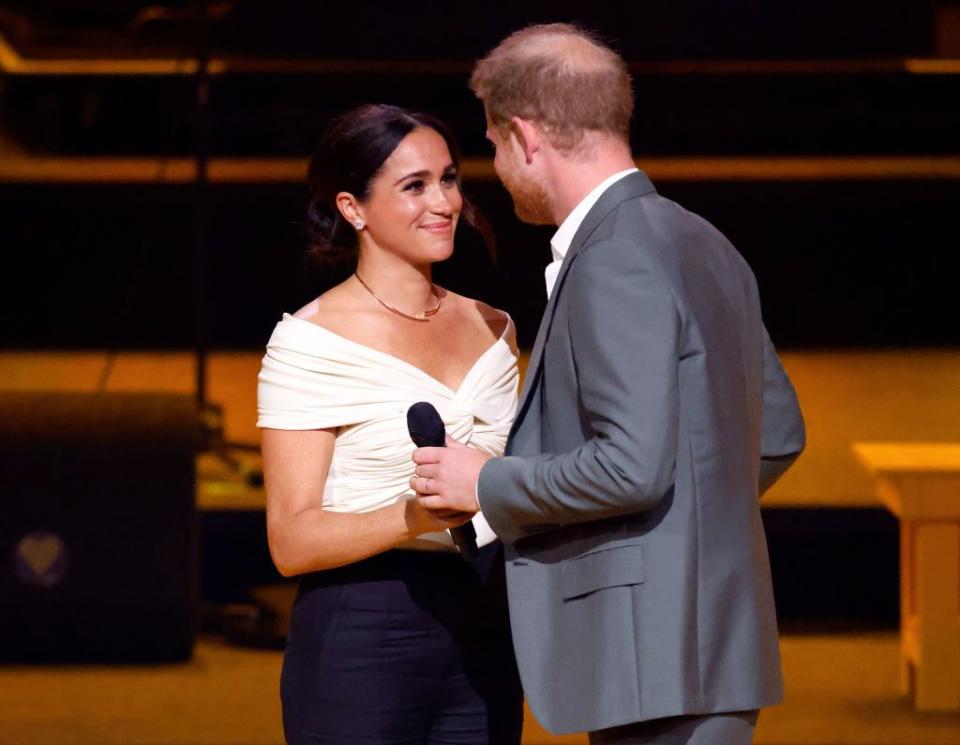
(920, 484)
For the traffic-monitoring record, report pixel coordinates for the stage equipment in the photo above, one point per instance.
(98, 539)
(212, 437)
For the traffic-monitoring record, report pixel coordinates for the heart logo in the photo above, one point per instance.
(41, 558)
(39, 552)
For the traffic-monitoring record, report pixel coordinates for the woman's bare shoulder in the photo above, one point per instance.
(327, 307)
(498, 321)
(341, 311)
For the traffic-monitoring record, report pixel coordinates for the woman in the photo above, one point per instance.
(395, 638)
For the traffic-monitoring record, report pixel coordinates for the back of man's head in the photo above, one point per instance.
(561, 77)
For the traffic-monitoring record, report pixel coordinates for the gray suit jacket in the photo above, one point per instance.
(655, 412)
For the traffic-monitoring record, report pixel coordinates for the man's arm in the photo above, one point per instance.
(783, 436)
(624, 330)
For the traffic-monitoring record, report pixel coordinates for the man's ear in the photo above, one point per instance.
(529, 136)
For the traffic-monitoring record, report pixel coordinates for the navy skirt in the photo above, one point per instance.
(404, 648)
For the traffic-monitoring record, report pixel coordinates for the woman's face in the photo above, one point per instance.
(415, 201)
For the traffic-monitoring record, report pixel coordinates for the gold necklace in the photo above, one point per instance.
(421, 316)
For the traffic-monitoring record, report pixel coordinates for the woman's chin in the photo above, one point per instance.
(440, 252)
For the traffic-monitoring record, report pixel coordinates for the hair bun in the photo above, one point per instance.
(329, 238)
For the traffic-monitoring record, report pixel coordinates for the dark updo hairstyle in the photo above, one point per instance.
(349, 157)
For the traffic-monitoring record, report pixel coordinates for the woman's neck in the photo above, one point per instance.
(399, 283)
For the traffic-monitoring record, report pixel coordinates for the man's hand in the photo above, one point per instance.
(446, 478)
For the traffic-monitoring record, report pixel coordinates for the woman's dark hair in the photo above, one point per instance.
(351, 153)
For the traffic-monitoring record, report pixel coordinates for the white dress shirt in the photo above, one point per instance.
(560, 243)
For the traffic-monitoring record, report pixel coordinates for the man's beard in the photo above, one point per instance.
(529, 200)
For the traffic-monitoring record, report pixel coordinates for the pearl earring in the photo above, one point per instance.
(358, 224)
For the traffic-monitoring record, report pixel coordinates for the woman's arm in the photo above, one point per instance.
(304, 537)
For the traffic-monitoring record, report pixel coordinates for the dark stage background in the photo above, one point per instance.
(840, 262)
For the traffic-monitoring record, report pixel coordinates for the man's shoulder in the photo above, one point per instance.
(666, 240)
(650, 217)
(636, 231)
(662, 229)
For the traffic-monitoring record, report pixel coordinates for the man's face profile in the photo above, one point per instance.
(529, 198)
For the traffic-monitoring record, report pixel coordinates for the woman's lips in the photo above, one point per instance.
(438, 227)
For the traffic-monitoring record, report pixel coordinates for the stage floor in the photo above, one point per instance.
(911, 395)
(841, 690)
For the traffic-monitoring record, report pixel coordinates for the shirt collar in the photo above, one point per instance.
(560, 243)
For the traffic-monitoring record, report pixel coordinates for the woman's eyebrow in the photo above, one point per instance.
(422, 174)
(415, 174)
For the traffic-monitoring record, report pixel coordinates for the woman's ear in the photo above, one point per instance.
(350, 209)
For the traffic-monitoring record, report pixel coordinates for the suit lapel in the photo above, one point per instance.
(629, 187)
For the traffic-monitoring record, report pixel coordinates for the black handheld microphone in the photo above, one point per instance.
(427, 431)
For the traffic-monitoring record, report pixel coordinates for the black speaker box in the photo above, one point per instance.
(98, 527)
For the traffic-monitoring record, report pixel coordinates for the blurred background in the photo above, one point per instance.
(152, 198)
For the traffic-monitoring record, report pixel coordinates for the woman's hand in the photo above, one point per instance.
(421, 520)
(303, 536)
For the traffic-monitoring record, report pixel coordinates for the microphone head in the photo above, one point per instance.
(425, 425)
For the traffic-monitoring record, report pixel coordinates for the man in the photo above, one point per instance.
(653, 415)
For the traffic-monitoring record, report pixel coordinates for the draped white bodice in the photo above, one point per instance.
(313, 378)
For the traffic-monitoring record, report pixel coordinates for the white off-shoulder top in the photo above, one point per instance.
(313, 378)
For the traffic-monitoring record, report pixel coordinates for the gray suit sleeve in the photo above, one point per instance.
(783, 436)
(624, 332)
